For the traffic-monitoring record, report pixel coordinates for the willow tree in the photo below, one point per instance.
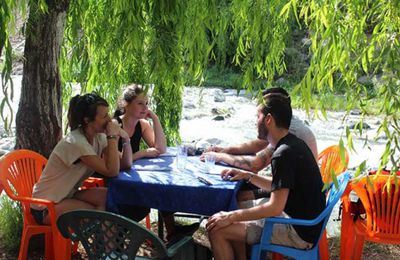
(351, 39)
(109, 43)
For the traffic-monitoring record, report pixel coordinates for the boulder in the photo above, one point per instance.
(219, 96)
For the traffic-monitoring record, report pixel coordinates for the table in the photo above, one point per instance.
(157, 183)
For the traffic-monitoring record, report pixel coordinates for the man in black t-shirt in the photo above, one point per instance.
(296, 187)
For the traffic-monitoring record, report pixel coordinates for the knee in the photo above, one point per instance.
(216, 236)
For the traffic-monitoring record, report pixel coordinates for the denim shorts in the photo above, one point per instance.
(39, 215)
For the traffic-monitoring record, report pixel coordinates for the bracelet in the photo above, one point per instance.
(112, 137)
(249, 179)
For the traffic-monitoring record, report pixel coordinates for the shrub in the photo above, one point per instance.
(11, 221)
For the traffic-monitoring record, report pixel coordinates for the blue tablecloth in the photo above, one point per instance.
(156, 183)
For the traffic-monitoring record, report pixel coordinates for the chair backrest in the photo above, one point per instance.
(335, 192)
(381, 200)
(104, 234)
(19, 171)
(331, 162)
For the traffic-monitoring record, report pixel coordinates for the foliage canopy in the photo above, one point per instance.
(109, 43)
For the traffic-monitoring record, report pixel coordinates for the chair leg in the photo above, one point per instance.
(323, 247)
(358, 247)
(62, 247)
(75, 247)
(23, 249)
(347, 235)
(49, 252)
(148, 223)
(255, 252)
(276, 256)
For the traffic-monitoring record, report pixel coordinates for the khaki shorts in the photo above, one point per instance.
(282, 234)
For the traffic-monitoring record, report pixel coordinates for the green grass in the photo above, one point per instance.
(215, 77)
(11, 221)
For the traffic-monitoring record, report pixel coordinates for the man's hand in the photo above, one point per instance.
(235, 174)
(216, 149)
(213, 154)
(218, 221)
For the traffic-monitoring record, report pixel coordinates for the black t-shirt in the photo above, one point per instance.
(134, 139)
(294, 167)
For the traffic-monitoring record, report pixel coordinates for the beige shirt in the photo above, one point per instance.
(64, 172)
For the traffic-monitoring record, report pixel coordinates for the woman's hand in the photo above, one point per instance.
(152, 152)
(113, 129)
(151, 114)
(124, 135)
(218, 221)
(235, 174)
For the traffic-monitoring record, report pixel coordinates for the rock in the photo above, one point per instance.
(244, 93)
(355, 112)
(219, 118)
(219, 96)
(189, 105)
(364, 80)
(306, 42)
(208, 142)
(353, 125)
(217, 111)
(281, 81)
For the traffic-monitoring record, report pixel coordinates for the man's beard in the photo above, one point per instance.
(262, 132)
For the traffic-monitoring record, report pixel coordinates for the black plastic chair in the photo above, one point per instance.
(106, 235)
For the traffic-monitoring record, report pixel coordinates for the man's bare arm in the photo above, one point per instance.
(248, 148)
(253, 163)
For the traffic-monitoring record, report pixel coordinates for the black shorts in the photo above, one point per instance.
(39, 215)
(257, 192)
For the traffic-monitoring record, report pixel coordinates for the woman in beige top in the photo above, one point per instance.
(90, 146)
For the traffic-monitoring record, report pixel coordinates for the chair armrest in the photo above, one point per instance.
(48, 203)
(174, 248)
(294, 221)
(269, 222)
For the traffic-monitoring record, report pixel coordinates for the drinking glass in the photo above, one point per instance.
(209, 160)
(181, 157)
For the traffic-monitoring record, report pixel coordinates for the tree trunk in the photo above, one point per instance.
(39, 116)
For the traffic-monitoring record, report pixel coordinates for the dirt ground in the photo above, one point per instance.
(371, 250)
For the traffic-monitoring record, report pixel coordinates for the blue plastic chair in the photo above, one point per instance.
(258, 250)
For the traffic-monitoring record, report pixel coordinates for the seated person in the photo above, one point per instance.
(296, 190)
(256, 155)
(91, 145)
(132, 114)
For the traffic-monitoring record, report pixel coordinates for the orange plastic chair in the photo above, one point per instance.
(93, 182)
(331, 162)
(19, 171)
(381, 201)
